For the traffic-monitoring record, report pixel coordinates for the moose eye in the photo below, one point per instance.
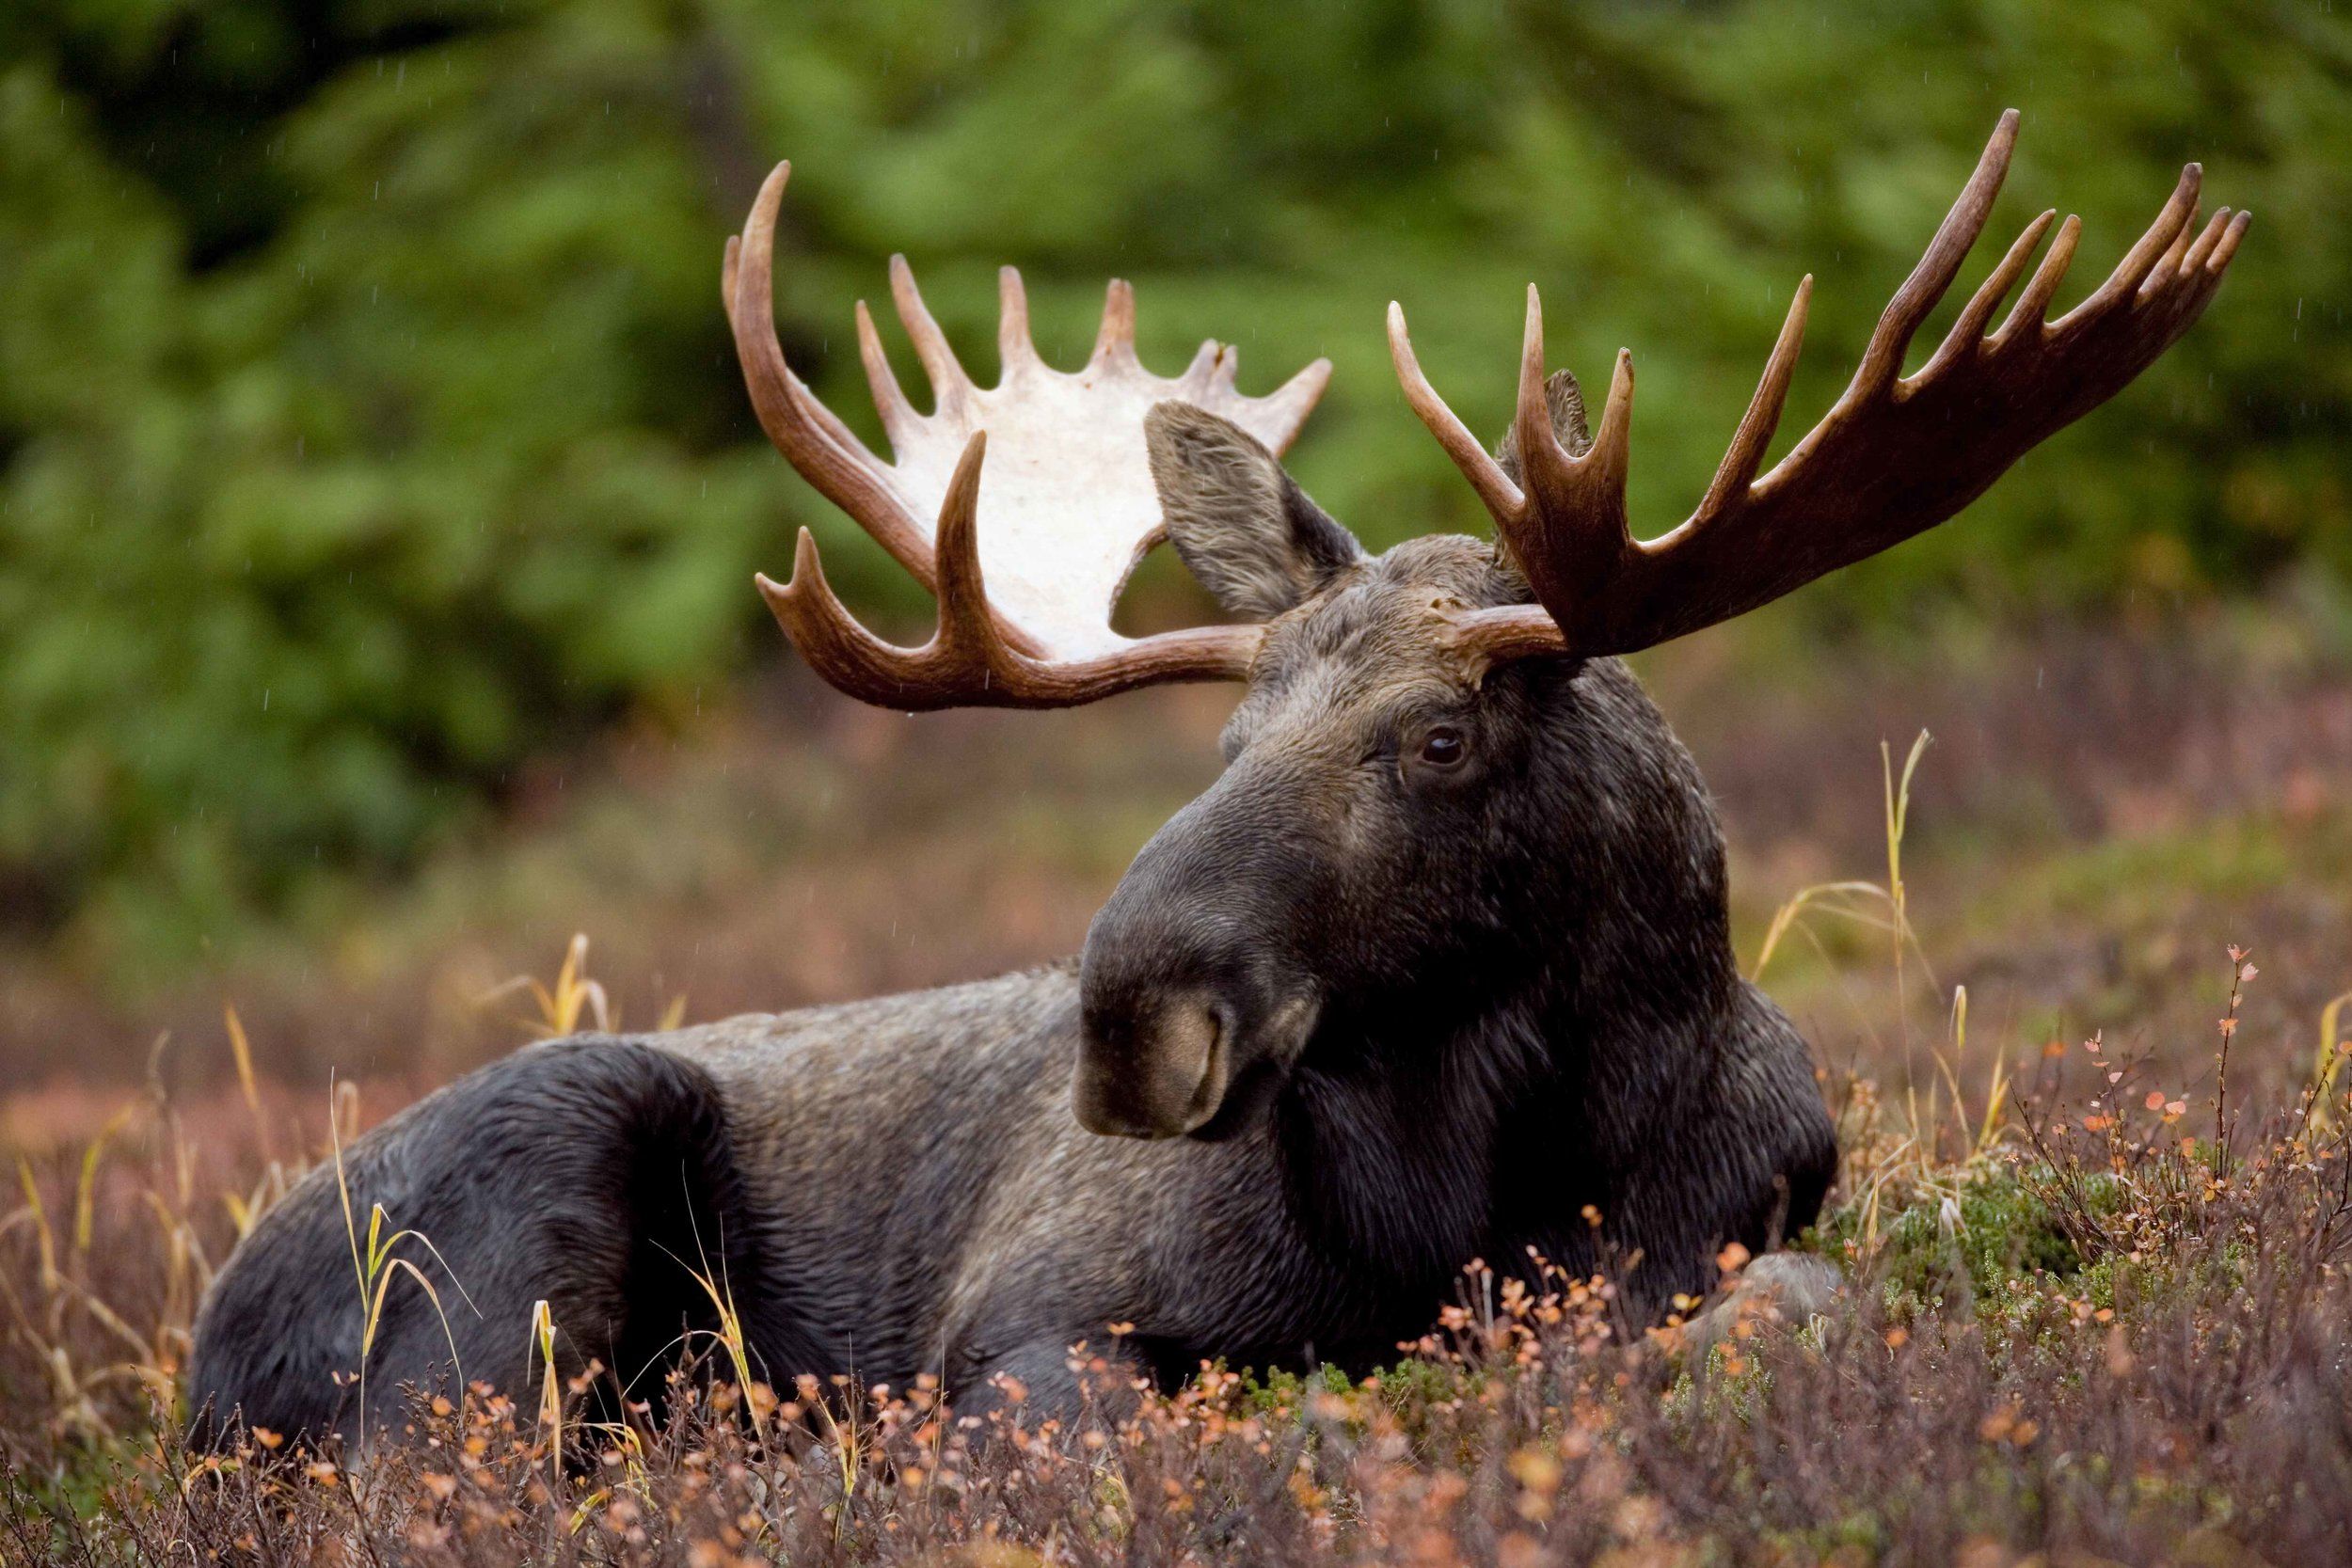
(1443, 747)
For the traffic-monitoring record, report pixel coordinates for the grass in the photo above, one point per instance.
(2098, 1244)
(379, 1265)
(1998, 1384)
(2077, 1326)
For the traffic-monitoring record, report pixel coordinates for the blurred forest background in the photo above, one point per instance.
(378, 497)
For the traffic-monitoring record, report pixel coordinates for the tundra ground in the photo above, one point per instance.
(2101, 1312)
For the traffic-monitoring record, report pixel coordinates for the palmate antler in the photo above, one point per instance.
(1024, 601)
(1068, 507)
(1895, 456)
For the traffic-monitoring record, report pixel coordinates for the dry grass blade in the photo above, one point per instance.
(86, 1188)
(2329, 1066)
(1827, 896)
(375, 1268)
(550, 1387)
(240, 1052)
(574, 1001)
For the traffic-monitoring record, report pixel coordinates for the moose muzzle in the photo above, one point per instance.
(1194, 1004)
(1155, 1071)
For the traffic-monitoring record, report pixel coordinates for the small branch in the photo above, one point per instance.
(2240, 972)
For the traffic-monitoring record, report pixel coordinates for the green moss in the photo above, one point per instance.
(1960, 1251)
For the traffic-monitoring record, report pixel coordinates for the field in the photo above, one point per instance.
(380, 689)
(2076, 993)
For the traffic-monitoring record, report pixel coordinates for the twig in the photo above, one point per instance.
(2240, 972)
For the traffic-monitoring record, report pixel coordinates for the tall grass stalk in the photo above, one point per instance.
(378, 1265)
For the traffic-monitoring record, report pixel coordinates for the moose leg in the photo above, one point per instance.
(587, 1173)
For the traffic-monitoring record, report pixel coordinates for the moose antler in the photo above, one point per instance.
(1893, 457)
(1024, 604)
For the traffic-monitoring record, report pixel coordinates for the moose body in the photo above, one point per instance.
(1439, 969)
(899, 1186)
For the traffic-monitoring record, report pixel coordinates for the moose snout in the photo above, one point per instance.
(1193, 1001)
(1157, 1070)
(1172, 1033)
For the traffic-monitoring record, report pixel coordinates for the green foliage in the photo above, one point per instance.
(1996, 1228)
(368, 423)
(1276, 1392)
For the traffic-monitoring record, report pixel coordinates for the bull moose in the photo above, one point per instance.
(1438, 968)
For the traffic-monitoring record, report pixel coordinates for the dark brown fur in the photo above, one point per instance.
(1365, 1018)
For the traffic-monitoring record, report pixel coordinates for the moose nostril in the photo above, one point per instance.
(1214, 1065)
(1155, 1072)
(1184, 1053)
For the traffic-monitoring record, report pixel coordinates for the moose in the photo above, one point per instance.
(1438, 968)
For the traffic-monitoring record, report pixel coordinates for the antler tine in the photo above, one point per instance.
(796, 393)
(1477, 466)
(830, 638)
(1201, 374)
(1016, 350)
(824, 451)
(1882, 361)
(2141, 258)
(805, 403)
(1893, 457)
(1745, 454)
(1570, 533)
(1543, 463)
(2206, 243)
(2168, 265)
(1224, 369)
(898, 418)
(951, 388)
(1967, 331)
(1611, 456)
(967, 638)
(2027, 316)
(2228, 248)
(1115, 344)
(1287, 405)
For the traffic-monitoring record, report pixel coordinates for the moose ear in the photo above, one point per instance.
(1240, 525)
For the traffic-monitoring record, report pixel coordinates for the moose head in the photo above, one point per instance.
(1434, 746)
